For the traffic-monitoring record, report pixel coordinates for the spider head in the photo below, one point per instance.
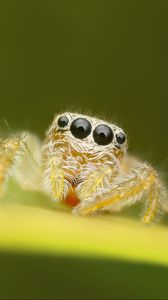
(77, 145)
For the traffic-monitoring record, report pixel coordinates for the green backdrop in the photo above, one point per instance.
(106, 57)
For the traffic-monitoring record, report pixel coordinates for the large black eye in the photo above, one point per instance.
(103, 135)
(120, 137)
(80, 128)
(63, 121)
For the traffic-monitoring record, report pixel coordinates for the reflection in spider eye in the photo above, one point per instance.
(63, 121)
(80, 128)
(103, 135)
(120, 137)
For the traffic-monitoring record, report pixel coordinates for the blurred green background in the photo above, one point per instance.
(106, 57)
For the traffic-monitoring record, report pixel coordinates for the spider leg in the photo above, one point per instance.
(10, 151)
(28, 168)
(56, 179)
(94, 177)
(20, 157)
(126, 190)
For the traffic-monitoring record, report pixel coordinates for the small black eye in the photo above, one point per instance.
(120, 137)
(63, 121)
(103, 135)
(80, 128)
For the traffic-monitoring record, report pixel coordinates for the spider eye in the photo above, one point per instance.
(63, 121)
(120, 137)
(103, 135)
(80, 128)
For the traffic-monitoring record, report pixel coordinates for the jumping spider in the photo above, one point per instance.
(83, 162)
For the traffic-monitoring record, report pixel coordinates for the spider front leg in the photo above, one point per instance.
(93, 179)
(56, 174)
(142, 182)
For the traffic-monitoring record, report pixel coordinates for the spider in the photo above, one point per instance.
(83, 162)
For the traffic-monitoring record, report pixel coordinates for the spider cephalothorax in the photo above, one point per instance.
(83, 162)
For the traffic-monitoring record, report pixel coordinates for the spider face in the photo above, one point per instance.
(77, 145)
(85, 134)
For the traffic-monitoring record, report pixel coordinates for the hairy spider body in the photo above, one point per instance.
(83, 162)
